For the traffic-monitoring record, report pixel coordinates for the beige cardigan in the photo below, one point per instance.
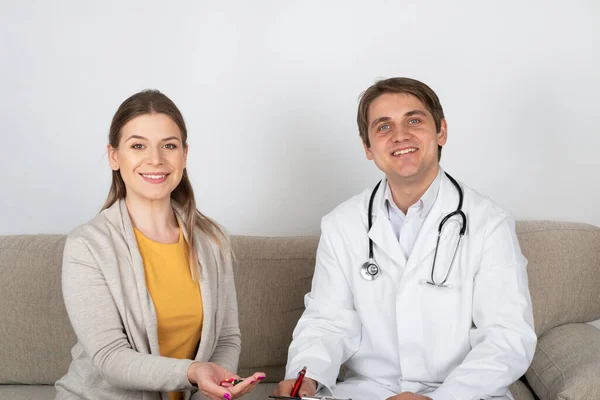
(104, 288)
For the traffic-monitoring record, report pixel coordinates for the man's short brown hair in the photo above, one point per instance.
(398, 85)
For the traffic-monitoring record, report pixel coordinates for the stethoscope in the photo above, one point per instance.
(371, 271)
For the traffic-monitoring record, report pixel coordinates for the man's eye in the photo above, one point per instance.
(137, 146)
(384, 127)
(414, 121)
(170, 146)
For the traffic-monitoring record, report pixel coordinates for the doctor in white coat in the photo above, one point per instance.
(404, 329)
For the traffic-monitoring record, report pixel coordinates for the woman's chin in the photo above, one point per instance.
(152, 196)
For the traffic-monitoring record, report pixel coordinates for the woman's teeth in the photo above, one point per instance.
(153, 176)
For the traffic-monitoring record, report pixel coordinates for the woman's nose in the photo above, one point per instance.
(154, 157)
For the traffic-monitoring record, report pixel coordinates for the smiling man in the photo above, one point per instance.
(420, 286)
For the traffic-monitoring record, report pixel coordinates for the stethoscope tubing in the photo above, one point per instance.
(461, 233)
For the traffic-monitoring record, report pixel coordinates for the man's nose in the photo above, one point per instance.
(401, 133)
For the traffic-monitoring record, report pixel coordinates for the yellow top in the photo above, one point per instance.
(176, 298)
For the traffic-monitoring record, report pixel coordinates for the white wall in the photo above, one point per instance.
(269, 90)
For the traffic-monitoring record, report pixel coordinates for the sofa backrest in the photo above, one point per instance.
(272, 276)
(563, 270)
(35, 333)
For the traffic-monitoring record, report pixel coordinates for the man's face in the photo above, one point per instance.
(403, 139)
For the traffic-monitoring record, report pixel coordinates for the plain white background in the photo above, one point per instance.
(269, 90)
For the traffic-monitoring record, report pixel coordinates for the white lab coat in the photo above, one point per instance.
(396, 333)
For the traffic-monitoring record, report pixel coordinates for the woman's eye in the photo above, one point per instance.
(384, 127)
(170, 146)
(137, 146)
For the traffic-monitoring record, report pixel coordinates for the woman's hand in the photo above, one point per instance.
(208, 377)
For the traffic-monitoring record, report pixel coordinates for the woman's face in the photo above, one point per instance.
(151, 156)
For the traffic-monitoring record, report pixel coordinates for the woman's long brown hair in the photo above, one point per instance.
(154, 102)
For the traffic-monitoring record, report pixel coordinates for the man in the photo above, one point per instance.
(425, 318)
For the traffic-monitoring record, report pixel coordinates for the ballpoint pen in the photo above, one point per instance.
(298, 383)
(232, 381)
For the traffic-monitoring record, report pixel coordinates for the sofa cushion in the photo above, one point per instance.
(520, 391)
(566, 364)
(563, 270)
(27, 392)
(272, 275)
(35, 334)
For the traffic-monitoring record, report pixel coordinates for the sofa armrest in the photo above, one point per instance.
(566, 364)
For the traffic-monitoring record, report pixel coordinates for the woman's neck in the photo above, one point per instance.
(155, 219)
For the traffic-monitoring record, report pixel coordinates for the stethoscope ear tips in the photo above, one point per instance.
(370, 271)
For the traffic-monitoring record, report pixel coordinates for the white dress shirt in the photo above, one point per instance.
(407, 227)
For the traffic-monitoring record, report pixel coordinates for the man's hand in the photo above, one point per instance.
(408, 396)
(308, 387)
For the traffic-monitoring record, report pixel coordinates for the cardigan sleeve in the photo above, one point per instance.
(97, 323)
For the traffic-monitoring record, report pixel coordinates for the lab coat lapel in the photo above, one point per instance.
(445, 203)
(381, 233)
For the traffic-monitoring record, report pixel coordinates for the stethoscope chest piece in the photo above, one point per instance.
(370, 271)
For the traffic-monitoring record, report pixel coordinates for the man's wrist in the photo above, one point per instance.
(313, 382)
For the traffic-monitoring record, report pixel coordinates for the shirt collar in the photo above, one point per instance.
(424, 204)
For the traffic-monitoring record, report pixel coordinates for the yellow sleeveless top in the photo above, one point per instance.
(177, 299)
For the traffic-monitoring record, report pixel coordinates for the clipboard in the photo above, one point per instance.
(307, 398)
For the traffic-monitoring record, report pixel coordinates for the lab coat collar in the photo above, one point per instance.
(382, 233)
(383, 236)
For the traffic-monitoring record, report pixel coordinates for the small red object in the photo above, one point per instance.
(298, 383)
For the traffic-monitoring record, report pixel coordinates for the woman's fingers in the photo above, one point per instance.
(212, 389)
(247, 385)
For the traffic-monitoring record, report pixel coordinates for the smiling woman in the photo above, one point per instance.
(140, 280)
(148, 144)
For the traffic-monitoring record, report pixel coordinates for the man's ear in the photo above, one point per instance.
(368, 152)
(443, 133)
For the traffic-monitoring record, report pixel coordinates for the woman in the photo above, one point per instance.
(148, 284)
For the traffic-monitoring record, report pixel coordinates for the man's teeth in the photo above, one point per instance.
(154, 176)
(405, 151)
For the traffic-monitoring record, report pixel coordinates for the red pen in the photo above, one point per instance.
(298, 383)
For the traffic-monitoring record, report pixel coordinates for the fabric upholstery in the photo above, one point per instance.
(27, 392)
(520, 391)
(563, 270)
(272, 276)
(566, 364)
(35, 334)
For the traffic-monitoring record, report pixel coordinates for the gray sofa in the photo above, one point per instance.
(272, 276)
